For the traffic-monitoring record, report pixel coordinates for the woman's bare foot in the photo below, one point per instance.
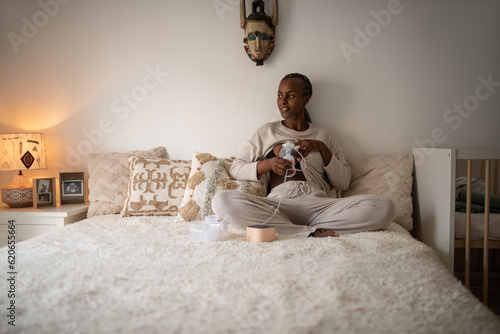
(323, 232)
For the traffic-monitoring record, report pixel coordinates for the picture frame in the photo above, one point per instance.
(72, 188)
(44, 192)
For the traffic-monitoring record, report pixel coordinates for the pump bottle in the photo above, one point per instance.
(288, 152)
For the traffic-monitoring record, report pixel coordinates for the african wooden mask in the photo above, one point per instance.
(259, 29)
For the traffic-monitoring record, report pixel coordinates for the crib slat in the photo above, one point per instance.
(468, 212)
(486, 231)
(495, 179)
(482, 169)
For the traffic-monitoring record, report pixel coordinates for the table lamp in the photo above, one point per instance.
(21, 151)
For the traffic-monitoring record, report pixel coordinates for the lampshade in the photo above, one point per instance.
(21, 151)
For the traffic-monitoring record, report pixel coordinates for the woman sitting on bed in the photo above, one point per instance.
(305, 208)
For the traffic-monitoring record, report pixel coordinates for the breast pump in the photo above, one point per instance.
(211, 229)
(288, 152)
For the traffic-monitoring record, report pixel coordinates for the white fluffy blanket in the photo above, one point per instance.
(144, 275)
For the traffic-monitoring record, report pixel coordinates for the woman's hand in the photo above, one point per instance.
(307, 146)
(277, 165)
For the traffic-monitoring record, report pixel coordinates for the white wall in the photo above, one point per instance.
(64, 77)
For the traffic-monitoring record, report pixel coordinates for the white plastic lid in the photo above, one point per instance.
(212, 219)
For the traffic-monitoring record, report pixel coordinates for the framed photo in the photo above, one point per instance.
(72, 188)
(44, 192)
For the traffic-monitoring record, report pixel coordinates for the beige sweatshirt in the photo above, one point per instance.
(337, 173)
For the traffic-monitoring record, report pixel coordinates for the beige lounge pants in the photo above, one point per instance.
(304, 207)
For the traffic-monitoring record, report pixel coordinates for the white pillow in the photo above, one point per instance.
(387, 175)
(108, 179)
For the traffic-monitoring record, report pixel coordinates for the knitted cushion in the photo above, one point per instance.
(208, 176)
(156, 186)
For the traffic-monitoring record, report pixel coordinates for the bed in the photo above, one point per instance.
(137, 270)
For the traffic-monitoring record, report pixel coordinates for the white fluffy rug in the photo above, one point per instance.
(144, 275)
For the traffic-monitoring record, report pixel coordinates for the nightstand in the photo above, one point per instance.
(31, 222)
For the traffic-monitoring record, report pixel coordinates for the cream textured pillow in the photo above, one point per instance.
(210, 175)
(108, 179)
(387, 175)
(156, 186)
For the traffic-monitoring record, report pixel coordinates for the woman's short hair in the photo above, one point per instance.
(308, 89)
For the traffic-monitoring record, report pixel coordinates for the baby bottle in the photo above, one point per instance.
(288, 152)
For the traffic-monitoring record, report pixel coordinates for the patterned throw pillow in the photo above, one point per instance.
(210, 175)
(156, 186)
(108, 179)
(387, 175)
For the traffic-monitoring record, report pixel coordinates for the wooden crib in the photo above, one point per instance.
(434, 203)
